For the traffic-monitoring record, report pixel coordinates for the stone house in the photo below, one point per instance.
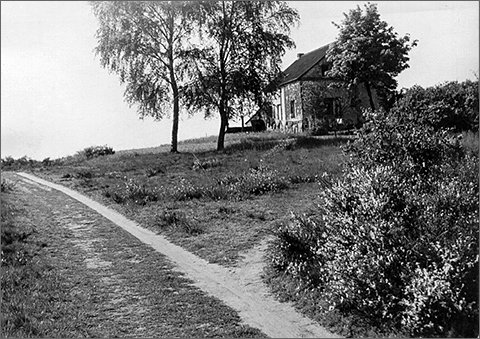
(306, 99)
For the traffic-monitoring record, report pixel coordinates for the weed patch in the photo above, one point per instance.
(178, 221)
(133, 191)
(205, 164)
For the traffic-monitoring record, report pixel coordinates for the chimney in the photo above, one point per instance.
(299, 55)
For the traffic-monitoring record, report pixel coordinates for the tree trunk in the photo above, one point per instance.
(223, 127)
(174, 85)
(176, 112)
(369, 92)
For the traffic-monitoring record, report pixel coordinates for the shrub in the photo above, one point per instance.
(8, 161)
(97, 151)
(6, 186)
(450, 105)
(395, 239)
(47, 162)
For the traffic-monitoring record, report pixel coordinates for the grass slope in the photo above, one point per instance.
(214, 204)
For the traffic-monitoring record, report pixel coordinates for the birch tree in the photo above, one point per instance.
(146, 43)
(243, 45)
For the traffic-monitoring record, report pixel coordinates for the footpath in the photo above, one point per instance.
(238, 290)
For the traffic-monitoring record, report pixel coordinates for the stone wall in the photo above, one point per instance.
(293, 93)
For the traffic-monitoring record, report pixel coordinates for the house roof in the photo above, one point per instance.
(303, 64)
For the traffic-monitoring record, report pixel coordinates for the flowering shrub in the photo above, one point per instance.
(396, 238)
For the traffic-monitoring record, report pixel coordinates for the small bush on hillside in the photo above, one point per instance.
(47, 162)
(396, 239)
(8, 161)
(6, 185)
(97, 151)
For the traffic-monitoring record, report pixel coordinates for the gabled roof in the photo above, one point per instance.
(303, 64)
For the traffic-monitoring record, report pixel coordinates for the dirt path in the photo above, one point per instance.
(240, 288)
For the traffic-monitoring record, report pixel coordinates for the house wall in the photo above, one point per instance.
(293, 103)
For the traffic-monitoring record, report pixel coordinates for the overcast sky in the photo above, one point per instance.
(56, 99)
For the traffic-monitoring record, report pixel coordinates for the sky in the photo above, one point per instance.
(56, 99)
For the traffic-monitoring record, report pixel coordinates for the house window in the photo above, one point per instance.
(292, 109)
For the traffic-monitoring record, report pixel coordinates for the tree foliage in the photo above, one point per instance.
(242, 45)
(145, 43)
(368, 51)
(451, 105)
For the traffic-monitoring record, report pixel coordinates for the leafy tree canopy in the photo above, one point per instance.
(368, 51)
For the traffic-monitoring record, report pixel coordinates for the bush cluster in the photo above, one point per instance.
(12, 163)
(97, 151)
(396, 238)
(450, 105)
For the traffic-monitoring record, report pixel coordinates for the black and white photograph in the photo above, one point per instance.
(239, 169)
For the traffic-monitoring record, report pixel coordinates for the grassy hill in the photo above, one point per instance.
(214, 204)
